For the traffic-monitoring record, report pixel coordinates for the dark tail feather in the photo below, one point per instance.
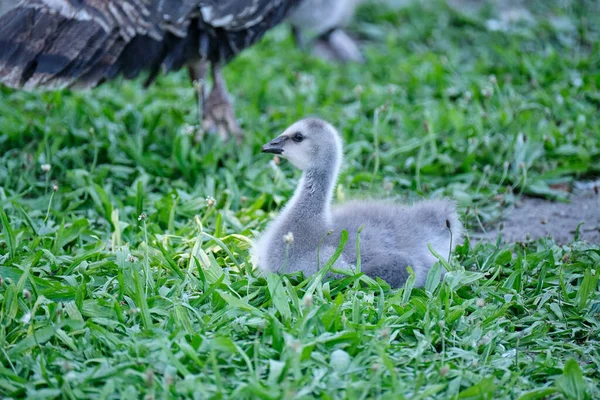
(43, 50)
(38, 49)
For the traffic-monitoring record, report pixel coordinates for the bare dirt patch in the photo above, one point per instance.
(535, 218)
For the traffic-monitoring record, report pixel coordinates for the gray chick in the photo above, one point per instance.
(306, 232)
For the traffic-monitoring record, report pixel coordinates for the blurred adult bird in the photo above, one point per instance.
(324, 21)
(58, 44)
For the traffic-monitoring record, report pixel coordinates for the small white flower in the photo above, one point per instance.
(295, 346)
(444, 370)
(188, 130)
(131, 258)
(288, 238)
(55, 188)
(340, 360)
(142, 216)
(197, 86)
(26, 318)
(392, 89)
(385, 333)
(69, 376)
(308, 301)
(46, 167)
(210, 201)
(67, 366)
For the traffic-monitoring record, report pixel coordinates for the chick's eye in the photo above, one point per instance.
(297, 137)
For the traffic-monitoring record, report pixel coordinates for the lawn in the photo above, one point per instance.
(121, 278)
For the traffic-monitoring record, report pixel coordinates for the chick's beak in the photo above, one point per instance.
(275, 146)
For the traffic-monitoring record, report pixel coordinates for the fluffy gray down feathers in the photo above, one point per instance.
(394, 236)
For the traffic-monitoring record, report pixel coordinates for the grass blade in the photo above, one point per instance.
(9, 235)
(571, 382)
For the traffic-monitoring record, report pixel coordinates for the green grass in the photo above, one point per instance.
(96, 302)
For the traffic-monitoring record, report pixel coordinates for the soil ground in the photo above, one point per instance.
(534, 218)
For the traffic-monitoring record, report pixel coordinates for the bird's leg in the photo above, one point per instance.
(336, 44)
(218, 110)
(197, 72)
(299, 38)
